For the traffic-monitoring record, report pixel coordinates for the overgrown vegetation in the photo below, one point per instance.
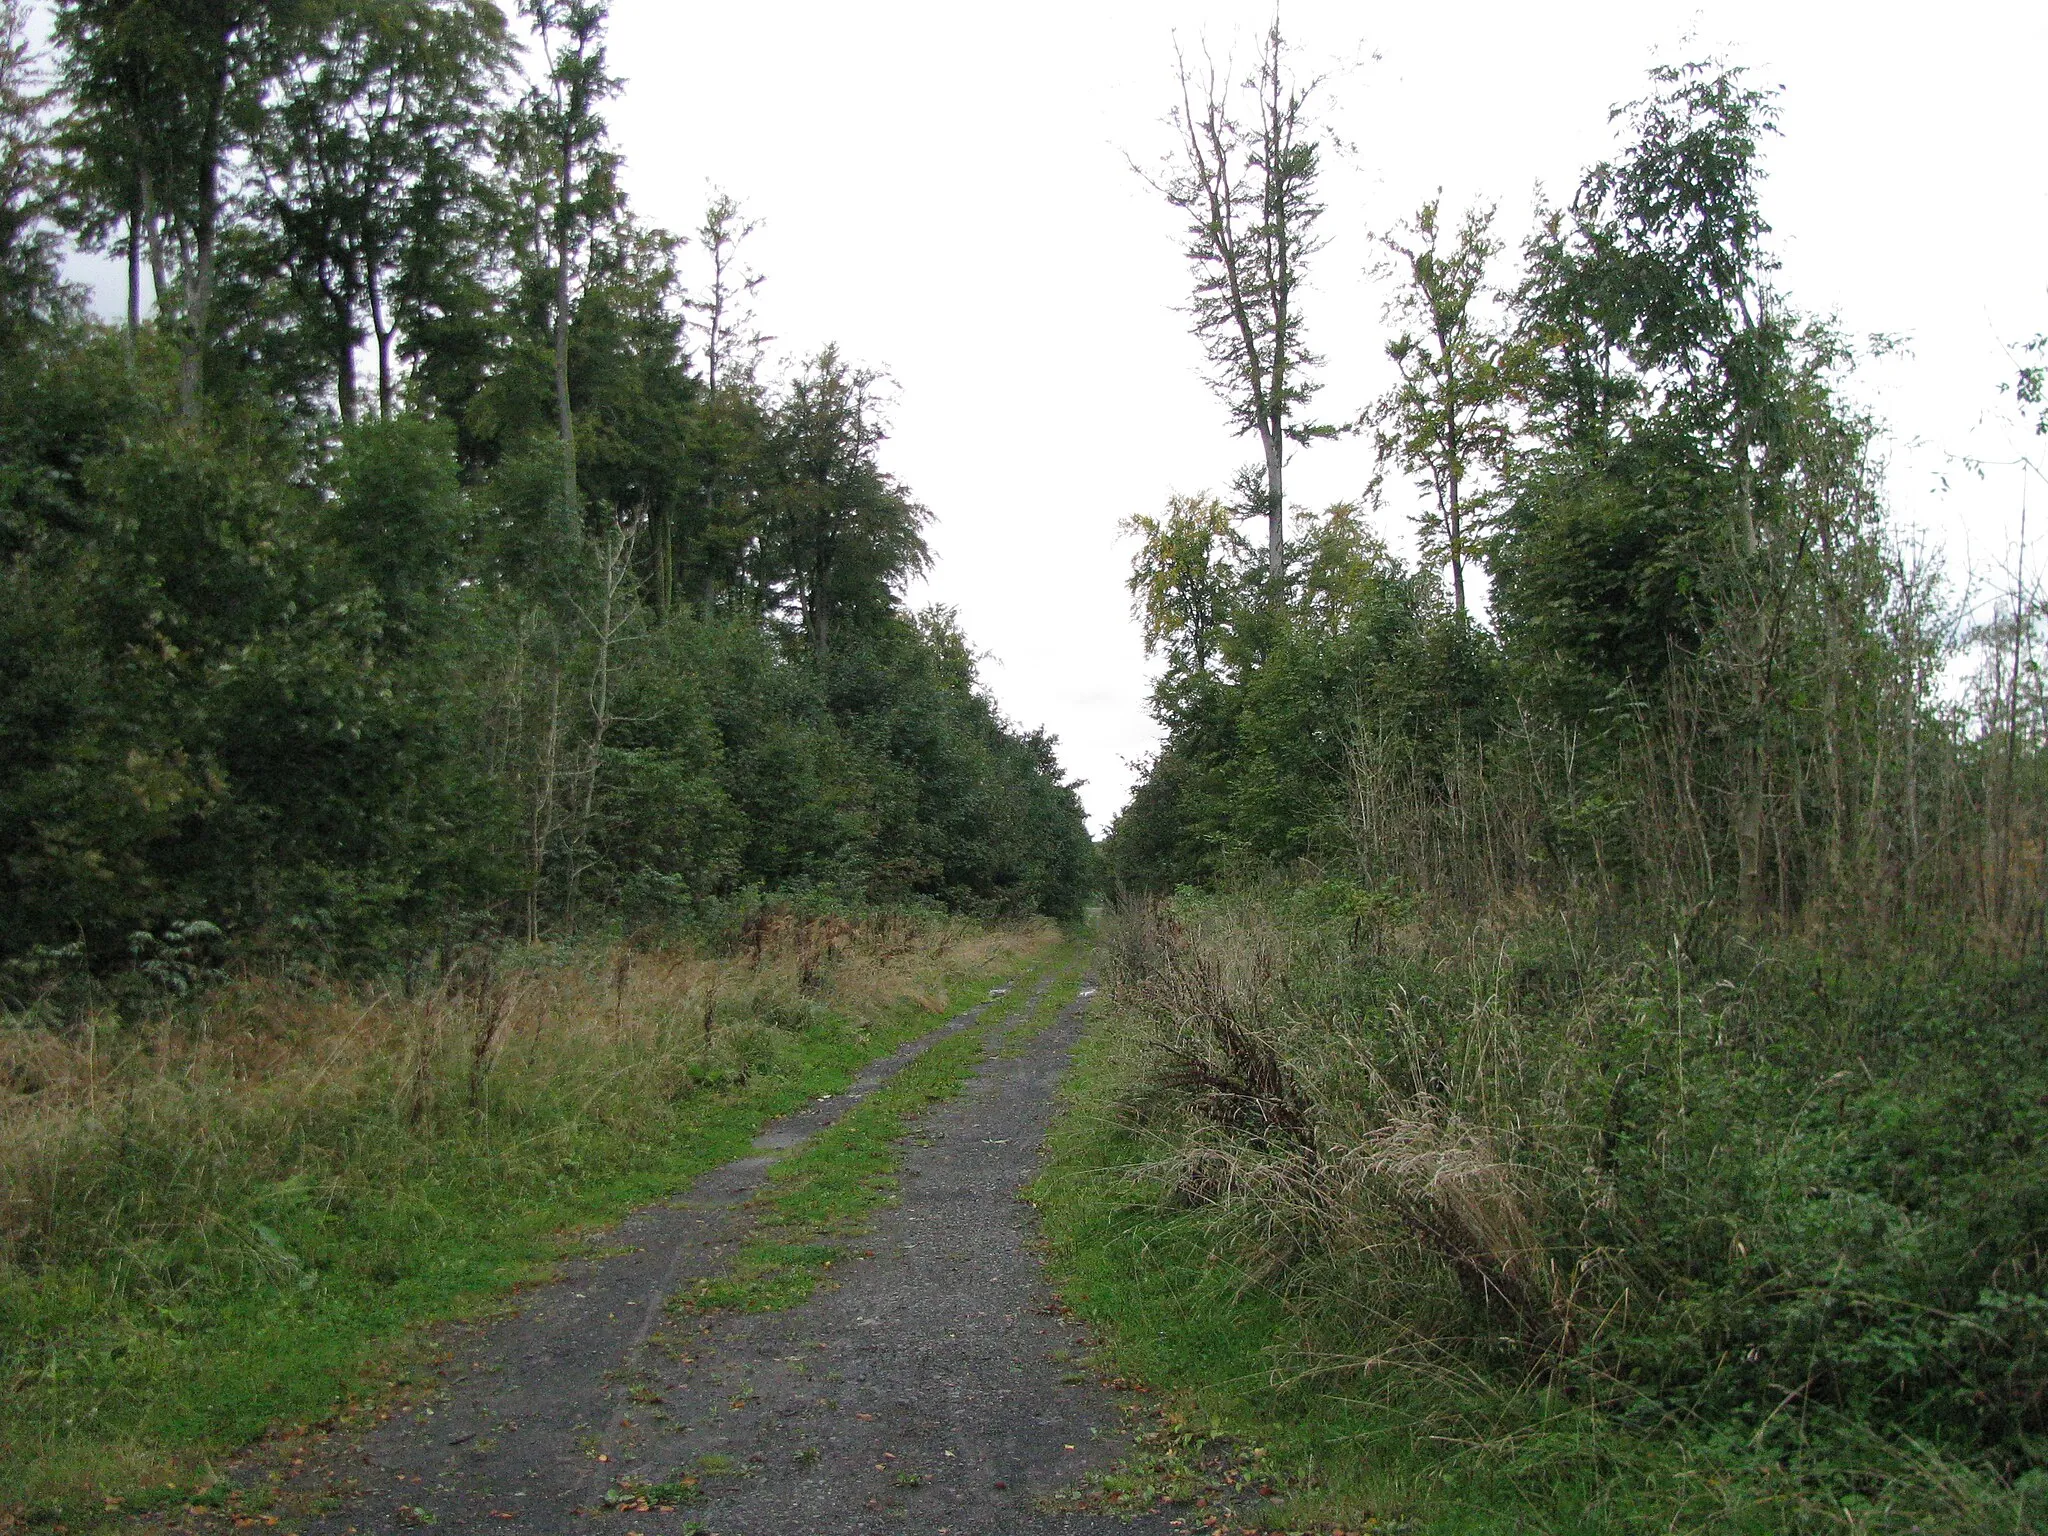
(422, 560)
(1747, 1238)
(1592, 1048)
(223, 1221)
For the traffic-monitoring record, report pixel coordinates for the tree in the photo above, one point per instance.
(181, 83)
(1661, 385)
(731, 342)
(114, 75)
(1444, 419)
(841, 535)
(562, 112)
(29, 287)
(363, 155)
(727, 428)
(1184, 582)
(1244, 175)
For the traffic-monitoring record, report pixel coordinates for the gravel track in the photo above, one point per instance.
(930, 1389)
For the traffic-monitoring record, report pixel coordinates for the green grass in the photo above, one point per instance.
(1019, 1037)
(1244, 1390)
(825, 1194)
(120, 1396)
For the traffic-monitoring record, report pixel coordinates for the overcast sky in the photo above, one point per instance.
(945, 191)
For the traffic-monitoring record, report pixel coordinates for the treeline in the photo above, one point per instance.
(1709, 673)
(420, 555)
(1603, 1025)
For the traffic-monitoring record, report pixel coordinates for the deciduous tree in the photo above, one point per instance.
(562, 111)
(1444, 420)
(1244, 175)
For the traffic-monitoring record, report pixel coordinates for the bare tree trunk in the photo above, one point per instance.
(134, 275)
(159, 280)
(565, 420)
(199, 275)
(543, 819)
(345, 379)
(1276, 517)
(661, 530)
(339, 301)
(608, 625)
(1457, 546)
(383, 330)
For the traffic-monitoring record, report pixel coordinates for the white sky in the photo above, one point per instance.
(945, 192)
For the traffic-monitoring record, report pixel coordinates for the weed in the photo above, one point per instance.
(636, 1496)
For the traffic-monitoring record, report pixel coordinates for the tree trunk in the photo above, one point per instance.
(383, 331)
(1276, 518)
(345, 379)
(134, 273)
(565, 420)
(199, 283)
(660, 527)
(1454, 520)
(158, 281)
(1457, 548)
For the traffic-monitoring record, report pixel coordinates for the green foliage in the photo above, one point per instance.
(1766, 1210)
(1262, 710)
(30, 292)
(344, 670)
(1445, 421)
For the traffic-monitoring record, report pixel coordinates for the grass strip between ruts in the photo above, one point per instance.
(827, 1191)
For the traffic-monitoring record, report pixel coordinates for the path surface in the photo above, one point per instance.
(931, 1390)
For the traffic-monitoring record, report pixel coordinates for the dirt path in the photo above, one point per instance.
(930, 1390)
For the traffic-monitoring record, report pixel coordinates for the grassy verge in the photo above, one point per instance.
(1254, 1390)
(232, 1224)
(826, 1193)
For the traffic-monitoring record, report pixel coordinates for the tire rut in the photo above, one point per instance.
(931, 1388)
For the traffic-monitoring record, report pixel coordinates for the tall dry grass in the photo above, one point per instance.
(149, 1153)
(1845, 745)
(1392, 1150)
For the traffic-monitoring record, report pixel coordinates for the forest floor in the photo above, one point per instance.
(693, 1373)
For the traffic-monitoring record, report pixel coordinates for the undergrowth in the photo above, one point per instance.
(220, 1220)
(1530, 1223)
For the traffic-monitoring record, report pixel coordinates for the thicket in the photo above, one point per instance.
(421, 559)
(1650, 1018)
